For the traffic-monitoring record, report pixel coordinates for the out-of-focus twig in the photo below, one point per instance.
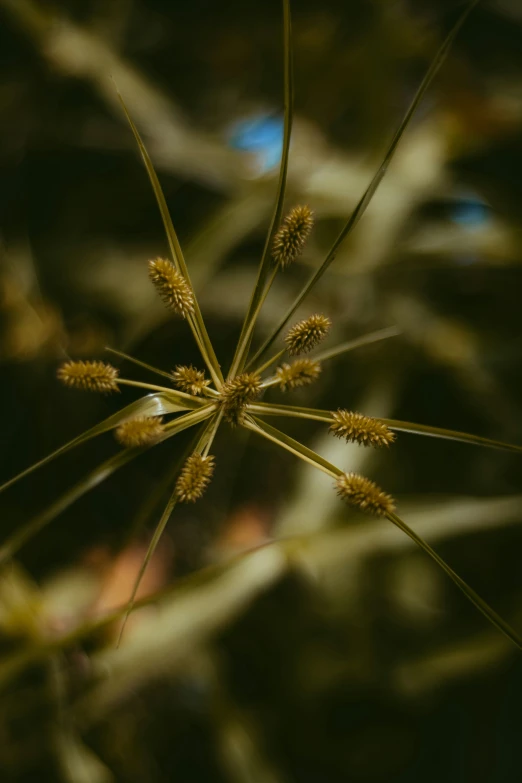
(78, 52)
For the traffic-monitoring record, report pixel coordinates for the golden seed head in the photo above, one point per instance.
(305, 335)
(364, 494)
(357, 428)
(171, 286)
(92, 376)
(190, 380)
(291, 237)
(139, 431)
(194, 478)
(300, 373)
(237, 393)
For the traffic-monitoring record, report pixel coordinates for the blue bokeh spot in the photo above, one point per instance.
(261, 134)
(470, 213)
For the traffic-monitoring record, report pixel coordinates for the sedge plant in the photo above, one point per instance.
(207, 399)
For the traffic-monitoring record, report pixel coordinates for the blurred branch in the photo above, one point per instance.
(77, 52)
(189, 613)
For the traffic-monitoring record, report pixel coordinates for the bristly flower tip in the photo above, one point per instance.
(364, 494)
(302, 372)
(291, 237)
(139, 431)
(171, 286)
(194, 478)
(358, 428)
(237, 393)
(190, 380)
(91, 376)
(305, 335)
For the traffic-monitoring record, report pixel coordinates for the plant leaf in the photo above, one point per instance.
(99, 474)
(259, 291)
(196, 321)
(315, 414)
(158, 404)
(475, 599)
(374, 184)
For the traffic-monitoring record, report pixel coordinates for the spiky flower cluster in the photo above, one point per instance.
(194, 478)
(364, 494)
(190, 380)
(139, 431)
(358, 428)
(291, 237)
(299, 373)
(231, 399)
(91, 376)
(237, 393)
(171, 286)
(305, 335)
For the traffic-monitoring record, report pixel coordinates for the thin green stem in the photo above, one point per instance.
(259, 287)
(272, 381)
(292, 411)
(149, 386)
(244, 340)
(271, 361)
(209, 439)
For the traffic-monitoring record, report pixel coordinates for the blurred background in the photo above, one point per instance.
(355, 660)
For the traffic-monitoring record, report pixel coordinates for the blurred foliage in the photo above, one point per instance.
(346, 656)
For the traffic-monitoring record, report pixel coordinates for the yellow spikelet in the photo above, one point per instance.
(91, 376)
(190, 380)
(194, 478)
(299, 373)
(357, 428)
(139, 431)
(291, 237)
(237, 393)
(364, 494)
(171, 286)
(305, 335)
